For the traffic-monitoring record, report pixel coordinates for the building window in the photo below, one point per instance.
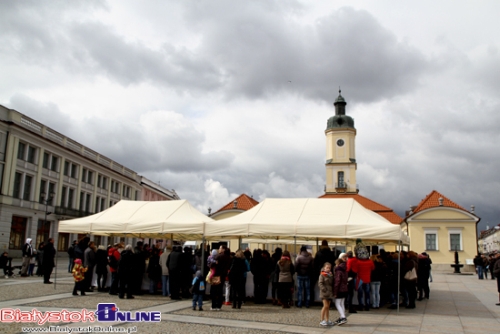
(74, 171)
(340, 179)
(455, 238)
(71, 195)
(89, 177)
(52, 187)
(27, 187)
(63, 242)
(17, 232)
(54, 164)
(43, 189)
(63, 196)
(46, 158)
(431, 239)
(66, 168)
(17, 185)
(82, 198)
(42, 231)
(97, 240)
(20, 151)
(103, 203)
(87, 203)
(31, 154)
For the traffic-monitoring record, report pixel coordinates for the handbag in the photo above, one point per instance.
(411, 275)
(215, 280)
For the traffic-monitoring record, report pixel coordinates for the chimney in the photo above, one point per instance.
(472, 207)
(440, 200)
(235, 204)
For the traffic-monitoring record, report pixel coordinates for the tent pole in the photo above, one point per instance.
(55, 273)
(203, 256)
(239, 242)
(295, 245)
(317, 245)
(399, 270)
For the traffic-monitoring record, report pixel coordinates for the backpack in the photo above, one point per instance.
(113, 262)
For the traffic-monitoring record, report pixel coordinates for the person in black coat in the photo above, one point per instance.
(221, 266)
(154, 270)
(237, 278)
(174, 269)
(79, 249)
(49, 253)
(101, 269)
(322, 256)
(126, 272)
(187, 271)
(139, 267)
(423, 273)
(39, 260)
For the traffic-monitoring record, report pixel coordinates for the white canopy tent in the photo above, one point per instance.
(145, 219)
(308, 219)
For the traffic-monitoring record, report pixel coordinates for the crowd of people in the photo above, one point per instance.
(43, 257)
(177, 273)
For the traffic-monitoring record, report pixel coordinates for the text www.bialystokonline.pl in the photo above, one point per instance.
(88, 329)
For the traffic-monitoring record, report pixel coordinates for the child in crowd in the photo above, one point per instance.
(78, 274)
(340, 289)
(325, 283)
(198, 290)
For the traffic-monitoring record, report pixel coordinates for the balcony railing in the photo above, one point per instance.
(59, 210)
(341, 185)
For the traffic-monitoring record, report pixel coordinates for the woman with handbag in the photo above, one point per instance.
(410, 278)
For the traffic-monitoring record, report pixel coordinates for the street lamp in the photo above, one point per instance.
(46, 202)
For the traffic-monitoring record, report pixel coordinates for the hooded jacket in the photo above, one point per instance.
(304, 264)
(27, 248)
(78, 271)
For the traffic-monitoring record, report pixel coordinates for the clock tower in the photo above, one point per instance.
(340, 151)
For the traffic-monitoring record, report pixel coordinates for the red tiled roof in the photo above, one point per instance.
(432, 201)
(244, 203)
(382, 210)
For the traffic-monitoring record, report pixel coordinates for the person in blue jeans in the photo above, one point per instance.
(478, 263)
(304, 266)
(198, 286)
(164, 272)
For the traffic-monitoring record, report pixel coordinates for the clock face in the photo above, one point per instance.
(340, 142)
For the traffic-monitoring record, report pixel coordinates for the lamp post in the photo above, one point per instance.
(46, 202)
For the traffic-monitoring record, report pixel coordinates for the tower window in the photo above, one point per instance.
(340, 180)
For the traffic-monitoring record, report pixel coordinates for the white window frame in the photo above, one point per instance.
(435, 231)
(455, 230)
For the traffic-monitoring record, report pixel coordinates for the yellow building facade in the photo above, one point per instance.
(440, 227)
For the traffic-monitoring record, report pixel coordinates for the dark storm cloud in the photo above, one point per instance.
(141, 144)
(250, 49)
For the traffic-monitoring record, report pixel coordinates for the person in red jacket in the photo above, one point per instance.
(113, 258)
(364, 267)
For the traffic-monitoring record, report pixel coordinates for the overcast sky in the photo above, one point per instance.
(218, 98)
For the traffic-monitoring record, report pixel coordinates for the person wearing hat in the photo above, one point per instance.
(79, 277)
(71, 254)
